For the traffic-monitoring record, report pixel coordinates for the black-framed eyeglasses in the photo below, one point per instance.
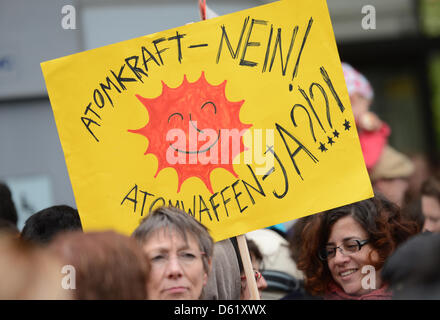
(347, 247)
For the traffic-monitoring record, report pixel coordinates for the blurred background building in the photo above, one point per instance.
(400, 56)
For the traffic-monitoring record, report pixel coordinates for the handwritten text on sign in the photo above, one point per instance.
(243, 121)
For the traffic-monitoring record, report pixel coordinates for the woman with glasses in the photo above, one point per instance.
(343, 249)
(179, 250)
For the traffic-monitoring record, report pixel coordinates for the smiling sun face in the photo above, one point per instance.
(194, 129)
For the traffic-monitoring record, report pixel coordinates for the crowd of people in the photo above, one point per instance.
(385, 247)
(364, 250)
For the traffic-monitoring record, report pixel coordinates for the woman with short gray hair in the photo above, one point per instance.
(179, 249)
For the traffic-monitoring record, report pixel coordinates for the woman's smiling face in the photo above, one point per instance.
(346, 269)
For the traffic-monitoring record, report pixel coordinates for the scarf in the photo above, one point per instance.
(335, 292)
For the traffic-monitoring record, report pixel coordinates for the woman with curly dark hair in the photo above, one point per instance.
(343, 247)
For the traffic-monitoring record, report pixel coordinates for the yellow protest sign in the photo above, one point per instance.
(243, 121)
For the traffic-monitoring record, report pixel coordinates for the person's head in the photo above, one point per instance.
(280, 272)
(7, 206)
(28, 272)
(431, 204)
(338, 243)
(224, 278)
(413, 212)
(390, 175)
(359, 90)
(106, 265)
(394, 189)
(8, 226)
(295, 240)
(423, 169)
(256, 260)
(179, 250)
(42, 226)
(413, 270)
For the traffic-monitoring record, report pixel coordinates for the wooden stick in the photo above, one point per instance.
(247, 267)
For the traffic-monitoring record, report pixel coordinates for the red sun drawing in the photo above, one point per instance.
(194, 129)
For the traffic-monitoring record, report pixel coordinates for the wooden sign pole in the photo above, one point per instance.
(247, 267)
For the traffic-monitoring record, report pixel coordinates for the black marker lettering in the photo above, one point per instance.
(177, 37)
(214, 205)
(201, 201)
(266, 58)
(144, 50)
(327, 106)
(295, 71)
(332, 88)
(177, 205)
(190, 212)
(198, 45)
(155, 42)
(244, 62)
(292, 117)
(225, 201)
(237, 195)
(278, 42)
(268, 173)
(225, 36)
(143, 201)
(108, 87)
(90, 109)
(246, 185)
(137, 71)
(286, 180)
(87, 122)
(120, 79)
(100, 103)
(134, 200)
(311, 107)
(297, 150)
(155, 201)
